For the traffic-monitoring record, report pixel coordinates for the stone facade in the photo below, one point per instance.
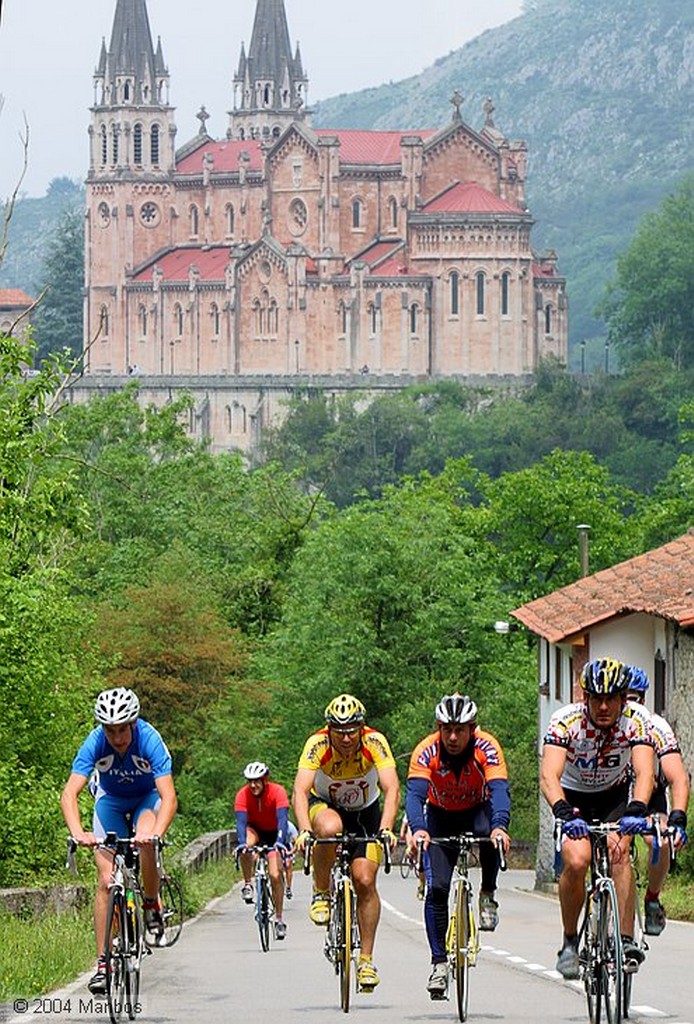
(285, 249)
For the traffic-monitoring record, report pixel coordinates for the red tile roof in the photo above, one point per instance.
(661, 583)
(376, 253)
(469, 197)
(226, 157)
(14, 297)
(544, 270)
(364, 147)
(175, 265)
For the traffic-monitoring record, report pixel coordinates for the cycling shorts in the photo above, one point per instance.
(365, 822)
(119, 814)
(602, 805)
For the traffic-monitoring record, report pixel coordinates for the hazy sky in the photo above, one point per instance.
(49, 49)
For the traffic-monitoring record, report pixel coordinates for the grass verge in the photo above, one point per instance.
(42, 953)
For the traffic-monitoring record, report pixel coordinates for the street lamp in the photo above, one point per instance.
(607, 357)
(171, 347)
(503, 628)
(296, 349)
(583, 357)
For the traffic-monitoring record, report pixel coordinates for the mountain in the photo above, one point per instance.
(603, 93)
(30, 232)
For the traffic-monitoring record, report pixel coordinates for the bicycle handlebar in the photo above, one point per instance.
(111, 842)
(346, 840)
(259, 850)
(603, 828)
(463, 841)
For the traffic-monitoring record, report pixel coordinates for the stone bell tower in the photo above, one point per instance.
(132, 160)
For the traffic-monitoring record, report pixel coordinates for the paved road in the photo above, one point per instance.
(217, 973)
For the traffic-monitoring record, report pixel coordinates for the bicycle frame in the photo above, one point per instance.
(462, 936)
(264, 902)
(342, 938)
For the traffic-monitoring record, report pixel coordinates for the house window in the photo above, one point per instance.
(558, 688)
(479, 293)
(548, 319)
(659, 702)
(357, 214)
(154, 143)
(455, 293)
(137, 144)
(505, 293)
(194, 220)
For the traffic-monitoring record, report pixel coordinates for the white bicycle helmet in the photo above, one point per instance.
(255, 770)
(458, 708)
(119, 706)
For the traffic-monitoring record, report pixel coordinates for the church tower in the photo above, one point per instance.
(132, 130)
(270, 85)
(130, 178)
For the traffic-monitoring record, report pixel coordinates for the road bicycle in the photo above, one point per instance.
(660, 835)
(462, 936)
(342, 939)
(408, 863)
(264, 902)
(126, 942)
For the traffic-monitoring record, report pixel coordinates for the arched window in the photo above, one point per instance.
(266, 95)
(342, 318)
(178, 318)
(479, 292)
(357, 213)
(104, 146)
(194, 220)
(114, 145)
(137, 144)
(548, 319)
(154, 143)
(414, 316)
(393, 212)
(142, 317)
(230, 218)
(214, 314)
(258, 315)
(272, 317)
(455, 293)
(373, 318)
(505, 293)
(104, 321)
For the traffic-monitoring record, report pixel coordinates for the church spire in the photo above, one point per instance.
(270, 84)
(131, 71)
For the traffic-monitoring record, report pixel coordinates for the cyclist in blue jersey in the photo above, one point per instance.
(130, 771)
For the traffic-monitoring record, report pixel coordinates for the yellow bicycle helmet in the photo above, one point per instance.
(345, 710)
(605, 676)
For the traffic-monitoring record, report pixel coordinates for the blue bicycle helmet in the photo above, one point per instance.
(637, 680)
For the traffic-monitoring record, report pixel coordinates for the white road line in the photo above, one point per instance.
(535, 967)
(647, 1011)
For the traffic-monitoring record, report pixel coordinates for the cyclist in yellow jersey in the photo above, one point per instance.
(341, 771)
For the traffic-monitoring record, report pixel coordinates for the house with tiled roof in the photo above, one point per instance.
(285, 250)
(640, 611)
(14, 308)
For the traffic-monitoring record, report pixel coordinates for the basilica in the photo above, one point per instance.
(287, 252)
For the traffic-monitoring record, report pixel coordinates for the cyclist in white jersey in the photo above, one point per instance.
(591, 750)
(671, 776)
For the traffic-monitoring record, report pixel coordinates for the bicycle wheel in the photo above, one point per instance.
(627, 978)
(406, 866)
(133, 959)
(263, 911)
(343, 930)
(461, 949)
(171, 896)
(611, 968)
(588, 965)
(114, 954)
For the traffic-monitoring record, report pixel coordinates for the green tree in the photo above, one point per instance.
(649, 308)
(59, 318)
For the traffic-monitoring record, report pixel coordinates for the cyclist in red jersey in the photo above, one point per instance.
(262, 817)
